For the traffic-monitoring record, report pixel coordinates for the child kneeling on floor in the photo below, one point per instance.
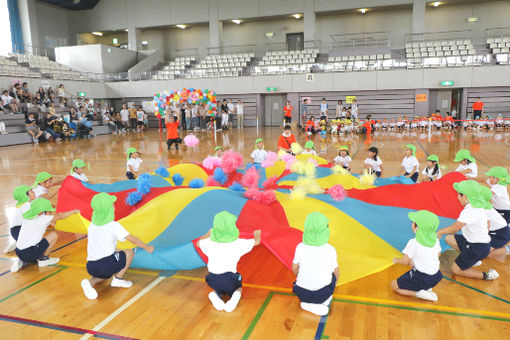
(315, 264)
(421, 252)
(224, 248)
(103, 260)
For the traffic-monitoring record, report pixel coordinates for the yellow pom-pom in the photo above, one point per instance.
(310, 170)
(298, 167)
(297, 193)
(339, 170)
(367, 179)
(309, 185)
(296, 148)
(280, 154)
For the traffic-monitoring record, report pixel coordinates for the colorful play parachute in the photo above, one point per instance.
(368, 228)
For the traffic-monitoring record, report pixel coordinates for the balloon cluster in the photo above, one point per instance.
(163, 100)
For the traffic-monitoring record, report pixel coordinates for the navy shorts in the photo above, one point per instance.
(315, 296)
(226, 283)
(500, 237)
(130, 175)
(107, 266)
(414, 177)
(15, 232)
(505, 214)
(34, 253)
(415, 280)
(470, 253)
(378, 173)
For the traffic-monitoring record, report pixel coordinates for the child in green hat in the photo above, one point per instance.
(32, 245)
(23, 194)
(474, 242)
(134, 162)
(218, 152)
(103, 259)
(498, 182)
(422, 252)
(43, 182)
(315, 265)
(467, 164)
(224, 248)
(77, 171)
(410, 164)
(432, 171)
(309, 148)
(259, 154)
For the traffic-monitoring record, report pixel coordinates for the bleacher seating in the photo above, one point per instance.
(173, 68)
(49, 68)
(10, 67)
(287, 62)
(500, 48)
(367, 62)
(221, 65)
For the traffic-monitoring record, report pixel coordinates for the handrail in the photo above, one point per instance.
(490, 32)
(284, 46)
(187, 52)
(239, 49)
(439, 35)
(357, 40)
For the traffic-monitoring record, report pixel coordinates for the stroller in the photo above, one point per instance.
(84, 128)
(72, 130)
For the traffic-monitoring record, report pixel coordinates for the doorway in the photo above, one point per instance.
(273, 113)
(295, 41)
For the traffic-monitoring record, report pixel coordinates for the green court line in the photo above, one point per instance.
(33, 284)
(479, 161)
(477, 290)
(256, 319)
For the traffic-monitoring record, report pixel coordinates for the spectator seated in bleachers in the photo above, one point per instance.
(50, 126)
(10, 102)
(32, 128)
(107, 121)
(69, 131)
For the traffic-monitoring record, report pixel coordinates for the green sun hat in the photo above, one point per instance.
(258, 140)
(316, 231)
(38, 206)
(41, 177)
(224, 228)
(477, 195)
(500, 173)
(433, 158)
(309, 145)
(103, 210)
(344, 147)
(78, 163)
(130, 151)
(219, 147)
(20, 194)
(462, 155)
(411, 147)
(427, 223)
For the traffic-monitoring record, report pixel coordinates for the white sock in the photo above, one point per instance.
(315, 308)
(216, 301)
(328, 301)
(231, 304)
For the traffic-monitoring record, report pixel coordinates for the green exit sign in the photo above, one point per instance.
(272, 89)
(447, 83)
(81, 94)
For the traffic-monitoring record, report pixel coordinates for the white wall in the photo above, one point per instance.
(53, 22)
(96, 58)
(93, 90)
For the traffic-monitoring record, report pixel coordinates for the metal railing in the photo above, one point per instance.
(285, 46)
(360, 40)
(34, 50)
(497, 32)
(245, 48)
(187, 52)
(435, 36)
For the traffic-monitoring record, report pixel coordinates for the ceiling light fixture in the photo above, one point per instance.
(181, 26)
(363, 10)
(297, 16)
(437, 3)
(236, 21)
(99, 34)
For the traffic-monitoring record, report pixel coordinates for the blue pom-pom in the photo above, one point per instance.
(220, 176)
(236, 187)
(178, 179)
(162, 171)
(133, 198)
(196, 183)
(144, 184)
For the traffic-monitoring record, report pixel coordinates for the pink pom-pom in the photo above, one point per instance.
(211, 162)
(191, 140)
(250, 178)
(270, 183)
(286, 157)
(312, 160)
(271, 158)
(290, 162)
(265, 197)
(337, 192)
(231, 161)
(210, 182)
(251, 193)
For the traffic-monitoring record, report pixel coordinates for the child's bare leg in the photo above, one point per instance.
(405, 292)
(52, 238)
(470, 272)
(129, 258)
(450, 240)
(498, 254)
(95, 280)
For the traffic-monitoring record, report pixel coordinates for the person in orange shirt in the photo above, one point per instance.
(367, 126)
(287, 113)
(477, 108)
(172, 134)
(286, 139)
(310, 126)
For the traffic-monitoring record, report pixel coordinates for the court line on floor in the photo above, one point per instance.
(422, 147)
(257, 317)
(132, 271)
(477, 290)
(478, 160)
(68, 244)
(124, 306)
(7, 271)
(321, 326)
(59, 327)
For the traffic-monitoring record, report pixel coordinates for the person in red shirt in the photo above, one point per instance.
(367, 126)
(310, 126)
(478, 108)
(172, 134)
(286, 139)
(287, 113)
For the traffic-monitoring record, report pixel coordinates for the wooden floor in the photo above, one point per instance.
(44, 303)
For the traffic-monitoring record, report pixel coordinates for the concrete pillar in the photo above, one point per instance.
(309, 20)
(419, 7)
(134, 38)
(215, 25)
(28, 19)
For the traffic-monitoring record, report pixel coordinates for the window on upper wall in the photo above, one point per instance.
(5, 29)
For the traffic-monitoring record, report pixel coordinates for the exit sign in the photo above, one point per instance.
(447, 83)
(115, 41)
(272, 89)
(81, 94)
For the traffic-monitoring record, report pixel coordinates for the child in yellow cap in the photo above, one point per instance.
(410, 164)
(103, 260)
(43, 182)
(343, 159)
(32, 245)
(134, 162)
(467, 164)
(309, 148)
(474, 242)
(23, 195)
(259, 154)
(315, 265)
(78, 170)
(422, 252)
(224, 248)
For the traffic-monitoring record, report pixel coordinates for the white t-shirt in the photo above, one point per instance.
(240, 109)
(472, 166)
(343, 161)
(39, 191)
(230, 108)
(309, 152)
(32, 231)
(425, 259)
(140, 116)
(7, 99)
(429, 172)
(135, 164)
(17, 217)
(496, 221)
(124, 113)
(475, 230)
(409, 163)
(81, 177)
(375, 165)
(324, 107)
(316, 265)
(500, 198)
(259, 156)
(223, 257)
(102, 240)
